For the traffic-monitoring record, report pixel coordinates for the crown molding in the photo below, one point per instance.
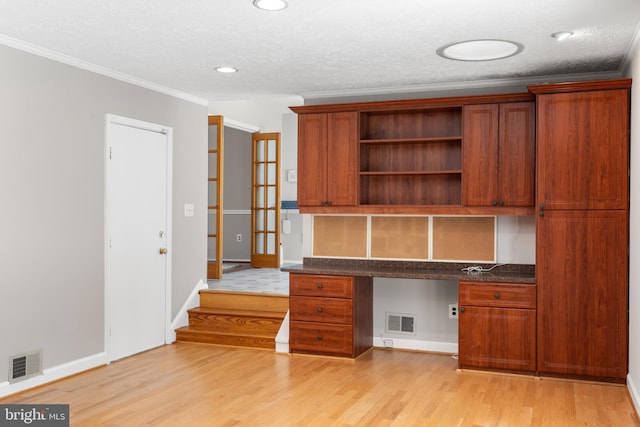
(78, 63)
(632, 50)
(420, 90)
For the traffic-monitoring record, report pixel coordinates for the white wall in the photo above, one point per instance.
(52, 118)
(633, 380)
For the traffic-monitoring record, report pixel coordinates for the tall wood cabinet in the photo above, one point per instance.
(328, 159)
(499, 154)
(582, 228)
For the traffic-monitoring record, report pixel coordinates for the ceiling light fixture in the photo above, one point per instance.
(271, 5)
(480, 50)
(226, 70)
(562, 35)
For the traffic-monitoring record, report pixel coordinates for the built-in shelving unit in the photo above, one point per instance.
(411, 157)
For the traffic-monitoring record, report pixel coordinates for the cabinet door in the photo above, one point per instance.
(582, 293)
(312, 159)
(583, 143)
(497, 338)
(480, 155)
(328, 159)
(499, 154)
(517, 154)
(342, 155)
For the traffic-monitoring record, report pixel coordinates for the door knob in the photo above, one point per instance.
(163, 251)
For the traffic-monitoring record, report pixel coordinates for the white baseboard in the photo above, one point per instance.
(182, 318)
(282, 338)
(405, 344)
(55, 373)
(634, 392)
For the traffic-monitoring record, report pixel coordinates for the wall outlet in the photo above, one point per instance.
(453, 311)
(238, 237)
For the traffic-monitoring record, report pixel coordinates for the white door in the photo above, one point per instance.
(137, 200)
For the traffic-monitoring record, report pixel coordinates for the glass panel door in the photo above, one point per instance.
(265, 206)
(214, 196)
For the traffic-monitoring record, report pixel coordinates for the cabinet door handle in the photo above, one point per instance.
(496, 295)
(501, 203)
(319, 309)
(542, 206)
(319, 337)
(541, 213)
(319, 286)
(461, 309)
(494, 203)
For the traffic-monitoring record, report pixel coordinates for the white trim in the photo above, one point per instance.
(231, 212)
(634, 393)
(241, 126)
(78, 63)
(112, 119)
(282, 338)
(420, 345)
(418, 90)
(631, 49)
(182, 318)
(55, 373)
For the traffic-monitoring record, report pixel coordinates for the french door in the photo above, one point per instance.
(265, 205)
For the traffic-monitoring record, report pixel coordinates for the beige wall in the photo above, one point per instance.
(52, 118)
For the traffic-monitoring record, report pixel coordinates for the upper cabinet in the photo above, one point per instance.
(417, 156)
(583, 142)
(499, 155)
(327, 159)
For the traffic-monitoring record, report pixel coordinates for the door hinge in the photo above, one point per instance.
(110, 153)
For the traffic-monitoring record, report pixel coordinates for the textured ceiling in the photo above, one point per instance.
(322, 48)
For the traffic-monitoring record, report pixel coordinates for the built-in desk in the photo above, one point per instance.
(331, 308)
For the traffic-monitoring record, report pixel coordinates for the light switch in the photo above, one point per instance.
(188, 209)
(292, 175)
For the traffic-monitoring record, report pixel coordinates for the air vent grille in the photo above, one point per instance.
(26, 365)
(401, 323)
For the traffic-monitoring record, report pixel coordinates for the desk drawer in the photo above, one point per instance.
(320, 286)
(507, 295)
(318, 338)
(328, 310)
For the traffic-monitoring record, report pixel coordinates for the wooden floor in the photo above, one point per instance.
(187, 384)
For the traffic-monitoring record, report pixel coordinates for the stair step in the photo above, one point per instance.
(196, 334)
(224, 320)
(244, 301)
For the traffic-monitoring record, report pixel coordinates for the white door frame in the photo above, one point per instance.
(111, 120)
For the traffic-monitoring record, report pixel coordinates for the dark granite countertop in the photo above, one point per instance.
(508, 273)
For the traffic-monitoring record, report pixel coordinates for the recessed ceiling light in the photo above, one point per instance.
(562, 35)
(271, 5)
(226, 70)
(480, 50)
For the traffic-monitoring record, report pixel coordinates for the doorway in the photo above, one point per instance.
(137, 236)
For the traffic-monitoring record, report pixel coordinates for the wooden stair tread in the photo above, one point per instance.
(207, 331)
(212, 298)
(238, 312)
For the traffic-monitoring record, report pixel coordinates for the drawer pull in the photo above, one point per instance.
(461, 309)
(496, 295)
(319, 337)
(319, 309)
(320, 286)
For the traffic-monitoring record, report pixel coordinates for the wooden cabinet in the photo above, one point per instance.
(330, 315)
(583, 149)
(411, 157)
(581, 264)
(497, 326)
(582, 229)
(499, 154)
(328, 159)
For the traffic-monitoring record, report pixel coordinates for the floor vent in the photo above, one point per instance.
(23, 366)
(401, 323)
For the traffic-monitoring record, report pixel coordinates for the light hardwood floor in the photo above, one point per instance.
(188, 384)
